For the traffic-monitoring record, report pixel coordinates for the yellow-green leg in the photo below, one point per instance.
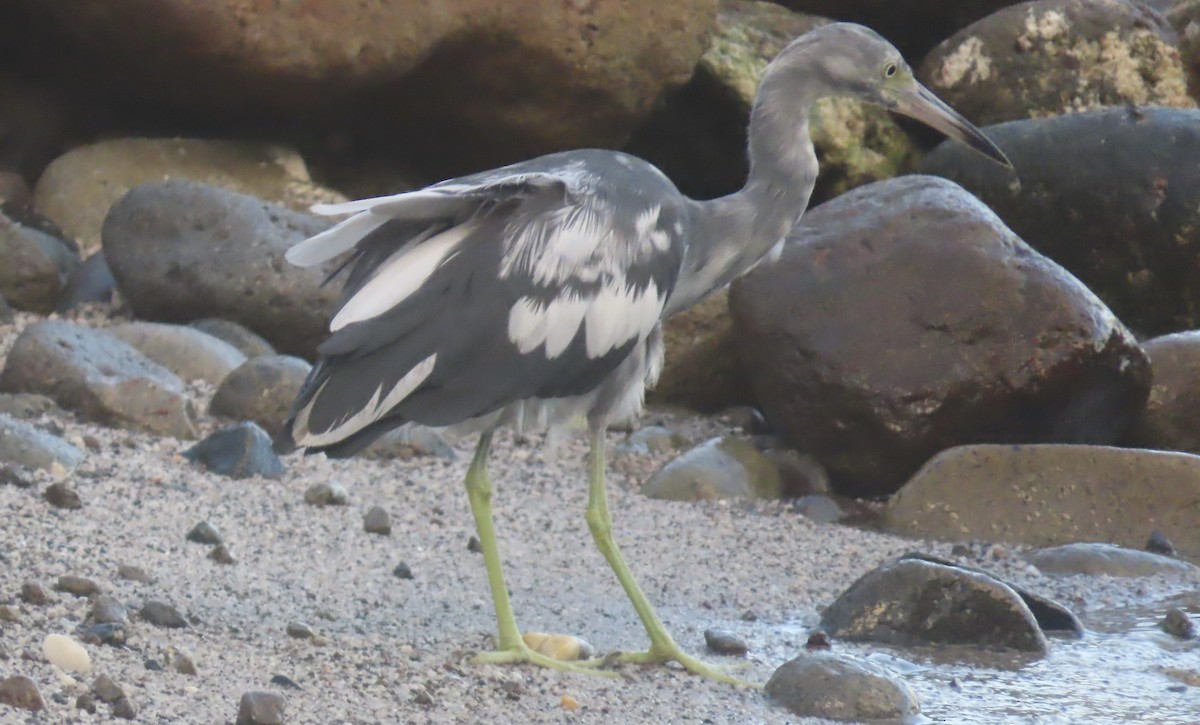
(509, 645)
(662, 646)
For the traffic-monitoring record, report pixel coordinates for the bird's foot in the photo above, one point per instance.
(522, 653)
(663, 652)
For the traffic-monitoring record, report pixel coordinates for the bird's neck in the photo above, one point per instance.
(730, 235)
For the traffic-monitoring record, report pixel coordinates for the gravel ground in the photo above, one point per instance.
(396, 650)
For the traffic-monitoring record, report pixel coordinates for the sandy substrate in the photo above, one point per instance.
(385, 640)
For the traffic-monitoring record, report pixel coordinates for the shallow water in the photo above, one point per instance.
(1124, 670)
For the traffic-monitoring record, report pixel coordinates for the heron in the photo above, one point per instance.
(533, 295)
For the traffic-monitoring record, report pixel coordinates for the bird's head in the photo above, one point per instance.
(848, 60)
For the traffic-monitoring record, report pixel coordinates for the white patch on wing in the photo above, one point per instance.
(620, 313)
(531, 324)
(553, 246)
(401, 275)
(335, 240)
(373, 410)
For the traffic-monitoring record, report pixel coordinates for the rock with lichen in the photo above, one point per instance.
(1051, 57)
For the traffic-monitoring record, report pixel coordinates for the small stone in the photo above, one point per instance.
(260, 708)
(818, 640)
(474, 546)
(562, 647)
(285, 681)
(749, 616)
(204, 533)
(183, 663)
(21, 692)
(820, 684)
(86, 702)
(1160, 544)
(377, 521)
(326, 494)
(152, 665)
(112, 634)
(124, 709)
(106, 608)
(725, 642)
(421, 696)
(221, 554)
(161, 614)
(299, 630)
(77, 585)
(66, 653)
(92, 443)
(1177, 623)
(239, 451)
(133, 573)
(14, 476)
(60, 495)
(569, 703)
(106, 689)
(9, 613)
(34, 592)
(402, 571)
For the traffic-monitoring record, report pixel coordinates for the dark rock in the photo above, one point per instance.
(36, 266)
(1111, 195)
(25, 446)
(1160, 544)
(824, 685)
(77, 585)
(238, 451)
(1058, 56)
(818, 640)
(13, 476)
(86, 702)
(204, 533)
(1006, 347)
(1177, 623)
(6, 313)
(262, 390)
(60, 495)
(299, 630)
(187, 352)
(1104, 559)
(124, 709)
(103, 378)
(260, 708)
(21, 692)
(725, 642)
(34, 592)
(113, 634)
(720, 468)
(326, 494)
(910, 602)
(285, 681)
(91, 281)
(402, 571)
(474, 545)
(28, 405)
(222, 555)
(250, 343)
(377, 521)
(133, 573)
(701, 370)
(1171, 418)
(106, 689)
(161, 614)
(1046, 495)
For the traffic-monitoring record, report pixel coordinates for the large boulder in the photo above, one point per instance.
(1052, 494)
(701, 370)
(1112, 195)
(460, 83)
(1057, 56)
(904, 318)
(1171, 418)
(183, 250)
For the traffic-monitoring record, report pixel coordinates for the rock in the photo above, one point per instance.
(77, 585)
(106, 689)
(24, 446)
(910, 602)
(1058, 56)
(161, 614)
(36, 266)
(724, 642)
(260, 708)
(1160, 544)
(6, 313)
(189, 353)
(407, 441)
(326, 494)
(222, 555)
(133, 573)
(107, 609)
(28, 405)
(66, 653)
(86, 702)
(1108, 194)
(250, 343)
(34, 592)
(113, 634)
(285, 681)
(698, 135)
(78, 188)
(60, 495)
(1048, 495)
(479, 82)
(14, 476)
(99, 376)
(239, 451)
(182, 250)
(299, 630)
(9, 613)
(1171, 418)
(183, 663)
(377, 521)
(701, 370)
(1104, 559)
(1007, 347)
(262, 389)
(1177, 623)
(124, 709)
(650, 439)
(204, 533)
(720, 468)
(21, 692)
(91, 281)
(824, 685)
(402, 571)
(562, 647)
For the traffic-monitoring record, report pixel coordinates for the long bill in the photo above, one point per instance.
(921, 104)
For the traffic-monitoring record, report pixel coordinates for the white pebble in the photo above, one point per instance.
(66, 653)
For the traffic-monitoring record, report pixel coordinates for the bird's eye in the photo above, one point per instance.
(889, 70)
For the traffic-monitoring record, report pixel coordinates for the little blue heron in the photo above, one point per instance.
(534, 294)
